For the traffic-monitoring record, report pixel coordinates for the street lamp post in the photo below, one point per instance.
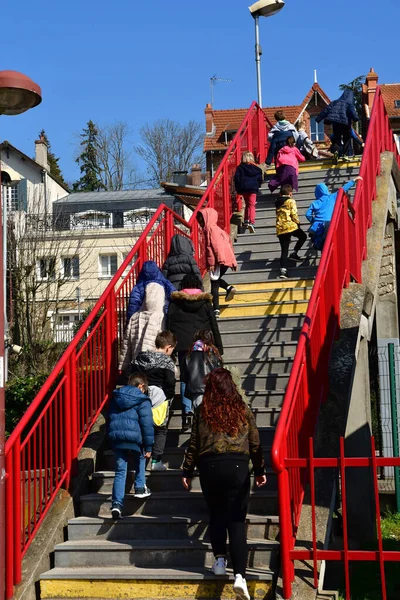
(18, 93)
(262, 8)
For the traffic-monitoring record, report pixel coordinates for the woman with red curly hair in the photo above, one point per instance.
(224, 438)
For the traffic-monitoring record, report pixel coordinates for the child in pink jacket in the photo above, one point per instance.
(219, 255)
(287, 166)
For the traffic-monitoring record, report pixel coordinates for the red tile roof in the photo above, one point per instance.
(390, 93)
(230, 120)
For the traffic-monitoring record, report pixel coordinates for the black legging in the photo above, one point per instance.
(284, 240)
(341, 138)
(225, 482)
(215, 285)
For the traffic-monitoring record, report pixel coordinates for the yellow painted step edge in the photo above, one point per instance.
(272, 296)
(273, 285)
(135, 589)
(289, 308)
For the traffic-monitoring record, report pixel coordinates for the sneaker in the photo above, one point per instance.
(335, 158)
(217, 313)
(219, 566)
(295, 256)
(240, 588)
(283, 274)
(142, 492)
(158, 465)
(251, 228)
(187, 422)
(116, 513)
(346, 158)
(230, 293)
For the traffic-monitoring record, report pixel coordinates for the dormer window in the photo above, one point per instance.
(91, 219)
(397, 103)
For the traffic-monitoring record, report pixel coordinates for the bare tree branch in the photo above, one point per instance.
(168, 146)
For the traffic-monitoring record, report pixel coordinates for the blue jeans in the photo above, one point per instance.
(121, 468)
(186, 402)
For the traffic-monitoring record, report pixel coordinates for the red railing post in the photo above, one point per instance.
(17, 480)
(168, 232)
(111, 341)
(68, 424)
(9, 546)
(227, 199)
(285, 533)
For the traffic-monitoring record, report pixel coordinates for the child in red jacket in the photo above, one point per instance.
(219, 255)
(287, 166)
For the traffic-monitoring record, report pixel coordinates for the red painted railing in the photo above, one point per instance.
(42, 451)
(344, 250)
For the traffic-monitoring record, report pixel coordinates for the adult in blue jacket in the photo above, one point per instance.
(340, 113)
(130, 429)
(150, 273)
(321, 210)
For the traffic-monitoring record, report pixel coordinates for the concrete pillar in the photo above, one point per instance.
(387, 331)
(359, 481)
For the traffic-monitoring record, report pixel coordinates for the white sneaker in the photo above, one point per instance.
(230, 293)
(240, 588)
(142, 492)
(219, 566)
(158, 466)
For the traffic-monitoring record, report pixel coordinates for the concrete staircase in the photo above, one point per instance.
(162, 550)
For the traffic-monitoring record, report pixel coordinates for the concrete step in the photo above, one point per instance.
(270, 338)
(154, 553)
(163, 527)
(117, 583)
(262, 383)
(185, 504)
(273, 253)
(268, 325)
(309, 259)
(271, 274)
(176, 438)
(265, 416)
(263, 308)
(262, 295)
(258, 351)
(159, 481)
(256, 366)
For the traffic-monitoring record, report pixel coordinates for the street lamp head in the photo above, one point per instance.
(18, 93)
(266, 8)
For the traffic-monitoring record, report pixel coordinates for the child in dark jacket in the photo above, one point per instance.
(248, 179)
(130, 428)
(279, 134)
(159, 369)
(202, 358)
(189, 311)
(180, 261)
(288, 225)
(340, 114)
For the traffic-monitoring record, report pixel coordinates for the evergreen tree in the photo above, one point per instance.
(90, 180)
(355, 86)
(55, 169)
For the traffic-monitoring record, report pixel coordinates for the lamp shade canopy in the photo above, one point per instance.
(18, 93)
(266, 8)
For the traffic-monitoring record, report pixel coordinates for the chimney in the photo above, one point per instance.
(179, 177)
(41, 153)
(195, 176)
(210, 127)
(369, 89)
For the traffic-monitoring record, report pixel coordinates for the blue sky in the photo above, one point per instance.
(122, 60)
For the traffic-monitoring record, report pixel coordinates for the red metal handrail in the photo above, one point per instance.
(344, 250)
(42, 451)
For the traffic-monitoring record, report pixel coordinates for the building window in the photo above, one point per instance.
(317, 130)
(46, 269)
(397, 103)
(65, 327)
(138, 217)
(10, 193)
(130, 264)
(108, 265)
(70, 267)
(91, 220)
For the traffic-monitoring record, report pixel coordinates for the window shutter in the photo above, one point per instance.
(23, 195)
(114, 264)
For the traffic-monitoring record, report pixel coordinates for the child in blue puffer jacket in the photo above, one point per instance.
(130, 429)
(321, 210)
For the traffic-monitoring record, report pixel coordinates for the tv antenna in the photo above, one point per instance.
(213, 81)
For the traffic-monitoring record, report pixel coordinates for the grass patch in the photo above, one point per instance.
(365, 578)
